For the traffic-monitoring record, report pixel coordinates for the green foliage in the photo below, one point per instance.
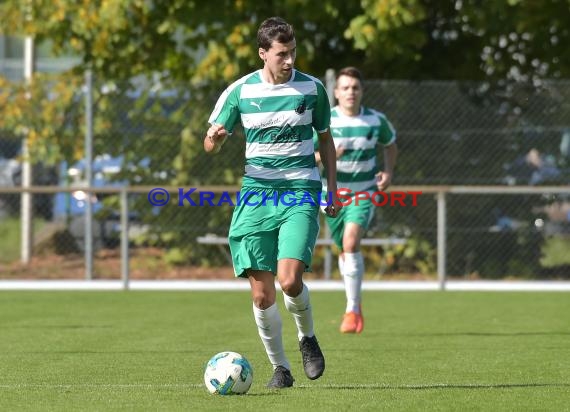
(47, 112)
(555, 252)
(207, 47)
(389, 31)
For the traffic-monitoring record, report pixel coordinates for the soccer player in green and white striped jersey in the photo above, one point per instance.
(357, 131)
(278, 108)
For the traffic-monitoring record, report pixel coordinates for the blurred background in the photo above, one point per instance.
(114, 95)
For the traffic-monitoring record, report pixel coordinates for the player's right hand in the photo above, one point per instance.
(216, 133)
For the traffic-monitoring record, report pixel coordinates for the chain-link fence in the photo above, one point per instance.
(449, 133)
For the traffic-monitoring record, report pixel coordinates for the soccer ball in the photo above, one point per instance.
(228, 373)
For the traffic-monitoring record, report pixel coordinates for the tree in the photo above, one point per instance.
(504, 42)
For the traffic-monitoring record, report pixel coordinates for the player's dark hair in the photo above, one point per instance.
(274, 29)
(350, 72)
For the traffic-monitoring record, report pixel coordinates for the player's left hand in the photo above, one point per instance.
(383, 181)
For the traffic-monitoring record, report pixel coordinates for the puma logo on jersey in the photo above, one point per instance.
(258, 105)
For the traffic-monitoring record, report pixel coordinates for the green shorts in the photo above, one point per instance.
(360, 214)
(285, 225)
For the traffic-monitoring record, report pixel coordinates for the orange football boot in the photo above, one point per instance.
(352, 322)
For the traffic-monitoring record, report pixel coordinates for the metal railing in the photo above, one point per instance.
(440, 193)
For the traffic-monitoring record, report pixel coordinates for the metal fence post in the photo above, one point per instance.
(89, 174)
(330, 81)
(26, 206)
(125, 238)
(441, 239)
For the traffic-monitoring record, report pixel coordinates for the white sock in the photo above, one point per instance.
(353, 271)
(341, 264)
(300, 307)
(269, 326)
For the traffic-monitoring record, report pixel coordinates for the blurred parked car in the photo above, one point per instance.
(70, 207)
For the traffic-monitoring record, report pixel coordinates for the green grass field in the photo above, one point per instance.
(425, 351)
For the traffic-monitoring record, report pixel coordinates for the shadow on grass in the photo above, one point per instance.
(437, 386)
(108, 352)
(57, 327)
(487, 334)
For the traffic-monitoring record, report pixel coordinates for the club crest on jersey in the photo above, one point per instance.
(301, 108)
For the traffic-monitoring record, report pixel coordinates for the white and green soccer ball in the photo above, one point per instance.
(228, 373)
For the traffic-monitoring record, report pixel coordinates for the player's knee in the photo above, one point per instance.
(291, 286)
(351, 247)
(262, 301)
(351, 244)
(262, 298)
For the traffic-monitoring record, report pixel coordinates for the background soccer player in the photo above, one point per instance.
(357, 132)
(278, 107)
